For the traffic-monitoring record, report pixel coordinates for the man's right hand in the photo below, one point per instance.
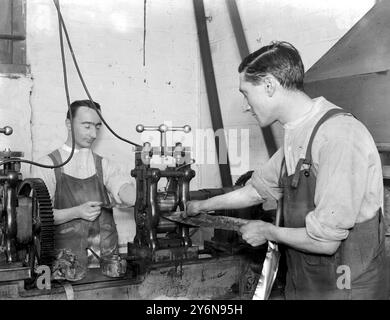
(193, 208)
(89, 210)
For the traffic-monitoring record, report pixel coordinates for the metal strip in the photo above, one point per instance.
(212, 93)
(208, 221)
(68, 291)
(234, 14)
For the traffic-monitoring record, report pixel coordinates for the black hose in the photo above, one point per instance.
(82, 79)
(70, 113)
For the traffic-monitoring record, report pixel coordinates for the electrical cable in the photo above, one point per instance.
(62, 28)
(70, 113)
(82, 79)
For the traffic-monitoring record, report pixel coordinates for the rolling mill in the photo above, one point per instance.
(203, 150)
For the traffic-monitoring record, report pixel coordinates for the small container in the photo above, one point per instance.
(112, 266)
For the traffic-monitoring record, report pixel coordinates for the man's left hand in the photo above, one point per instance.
(255, 232)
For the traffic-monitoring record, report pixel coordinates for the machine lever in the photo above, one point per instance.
(6, 130)
(163, 129)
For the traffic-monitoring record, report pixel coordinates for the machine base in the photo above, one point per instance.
(228, 277)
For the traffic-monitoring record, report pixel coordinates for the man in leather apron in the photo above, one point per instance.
(328, 176)
(81, 188)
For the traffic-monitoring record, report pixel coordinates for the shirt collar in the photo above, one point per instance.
(298, 122)
(66, 148)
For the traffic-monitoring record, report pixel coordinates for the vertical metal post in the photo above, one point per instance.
(212, 93)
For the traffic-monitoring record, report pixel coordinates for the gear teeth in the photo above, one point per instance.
(46, 219)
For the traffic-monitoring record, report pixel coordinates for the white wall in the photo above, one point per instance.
(15, 111)
(107, 37)
(312, 26)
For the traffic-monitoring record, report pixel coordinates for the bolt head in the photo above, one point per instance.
(8, 131)
(139, 128)
(163, 128)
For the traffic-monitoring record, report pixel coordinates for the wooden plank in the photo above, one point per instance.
(212, 93)
(19, 17)
(13, 23)
(6, 16)
(5, 28)
(5, 51)
(19, 27)
(383, 147)
(14, 37)
(14, 69)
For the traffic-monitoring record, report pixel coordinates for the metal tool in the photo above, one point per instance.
(208, 221)
(116, 205)
(270, 264)
(111, 266)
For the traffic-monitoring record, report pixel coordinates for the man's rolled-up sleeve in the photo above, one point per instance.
(265, 180)
(115, 177)
(340, 187)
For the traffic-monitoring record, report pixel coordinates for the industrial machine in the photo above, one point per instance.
(161, 261)
(156, 238)
(160, 240)
(26, 221)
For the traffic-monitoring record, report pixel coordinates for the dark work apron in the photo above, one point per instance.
(78, 234)
(318, 276)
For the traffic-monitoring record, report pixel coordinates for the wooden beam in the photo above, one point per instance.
(13, 37)
(235, 19)
(212, 93)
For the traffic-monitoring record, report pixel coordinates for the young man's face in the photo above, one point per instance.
(86, 124)
(258, 101)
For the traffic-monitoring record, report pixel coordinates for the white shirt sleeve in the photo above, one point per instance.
(114, 177)
(346, 167)
(265, 180)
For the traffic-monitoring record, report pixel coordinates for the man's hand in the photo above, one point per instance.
(193, 208)
(89, 210)
(255, 232)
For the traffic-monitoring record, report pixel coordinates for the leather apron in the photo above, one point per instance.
(317, 276)
(78, 234)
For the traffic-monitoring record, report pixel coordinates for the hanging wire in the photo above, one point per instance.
(62, 28)
(144, 44)
(70, 113)
(82, 79)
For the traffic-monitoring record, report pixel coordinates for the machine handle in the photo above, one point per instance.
(162, 128)
(6, 130)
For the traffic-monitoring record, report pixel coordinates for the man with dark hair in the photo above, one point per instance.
(81, 188)
(81, 103)
(328, 172)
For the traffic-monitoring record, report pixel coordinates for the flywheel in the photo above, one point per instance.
(34, 199)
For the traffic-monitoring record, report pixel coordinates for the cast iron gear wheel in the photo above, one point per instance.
(42, 221)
